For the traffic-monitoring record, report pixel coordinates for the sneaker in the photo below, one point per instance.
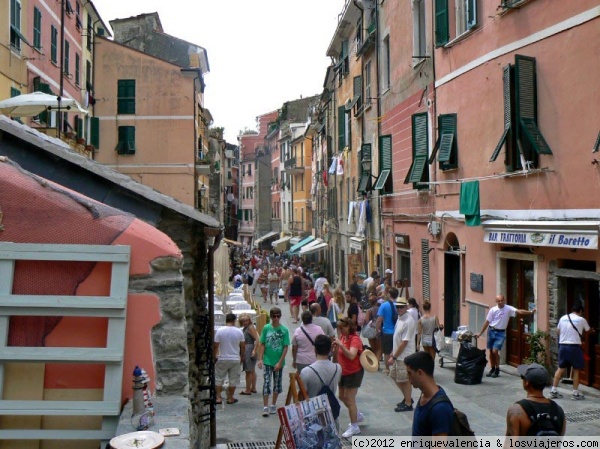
(555, 395)
(404, 408)
(578, 397)
(360, 417)
(265, 411)
(401, 403)
(496, 373)
(351, 430)
(272, 410)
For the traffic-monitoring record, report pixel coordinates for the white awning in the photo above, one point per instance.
(313, 249)
(281, 240)
(560, 234)
(264, 237)
(310, 245)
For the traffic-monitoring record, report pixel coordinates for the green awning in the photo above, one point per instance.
(300, 244)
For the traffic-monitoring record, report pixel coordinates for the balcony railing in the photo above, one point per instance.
(293, 165)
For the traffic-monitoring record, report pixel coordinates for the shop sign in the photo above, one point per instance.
(356, 244)
(536, 238)
(402, 240)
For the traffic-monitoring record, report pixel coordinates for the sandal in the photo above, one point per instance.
(218, 402)
(253, 391)
(245, 394)
(232, 402)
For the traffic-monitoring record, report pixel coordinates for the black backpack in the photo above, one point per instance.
(333, 401)
(460, 424)
(543, 424)
(323, 303)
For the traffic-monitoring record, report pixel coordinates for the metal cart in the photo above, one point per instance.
(445, 355)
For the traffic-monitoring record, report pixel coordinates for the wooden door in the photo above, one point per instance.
(451, 292)
(586, 292)
(519, 294)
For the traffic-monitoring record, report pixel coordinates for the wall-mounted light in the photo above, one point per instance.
(203, 191)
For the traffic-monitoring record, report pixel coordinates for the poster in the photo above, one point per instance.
(309, 425)
(355, 266)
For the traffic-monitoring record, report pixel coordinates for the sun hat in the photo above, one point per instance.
(388, 271)
(534, 373)
(401, 301)
(369, 361)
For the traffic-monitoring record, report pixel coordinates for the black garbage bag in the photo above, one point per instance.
(470, 364)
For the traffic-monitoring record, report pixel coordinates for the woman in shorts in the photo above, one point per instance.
(349, 347)
(274, 285)
(249, 361)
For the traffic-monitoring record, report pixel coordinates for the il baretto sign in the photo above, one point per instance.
(554, 239)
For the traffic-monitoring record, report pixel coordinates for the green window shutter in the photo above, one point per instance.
(126, 144)
(37, 28)
(526, 90)
(126, 97)
(471, 14)
(382, 179)
(446, 141)
(79, 128)
(597, 144)
(420, 154)
(448, 145)
(385, 152)
(53, 44)
(95, 132)
(341, 127)
(365, 175)
(358, 86)
(67, 50)
(507, 112)
(442, 28)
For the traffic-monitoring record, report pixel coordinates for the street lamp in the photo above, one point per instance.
(366, 164)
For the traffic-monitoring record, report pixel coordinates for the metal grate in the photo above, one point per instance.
(583, 415)
(346, 443)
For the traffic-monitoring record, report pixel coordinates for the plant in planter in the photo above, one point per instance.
(538, 351)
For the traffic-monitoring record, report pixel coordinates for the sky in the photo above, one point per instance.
(261, 53)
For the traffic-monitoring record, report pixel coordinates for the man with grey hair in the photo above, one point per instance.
(321, 321)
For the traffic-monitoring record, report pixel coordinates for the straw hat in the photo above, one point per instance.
(369, 361)
(401, 301)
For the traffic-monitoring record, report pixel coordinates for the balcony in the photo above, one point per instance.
(293, 166)
(297, 226)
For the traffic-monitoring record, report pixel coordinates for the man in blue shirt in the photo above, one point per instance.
(429, 419)
(386, 322)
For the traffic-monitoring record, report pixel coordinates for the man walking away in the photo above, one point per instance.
(404, 345)
(330, 372)
(385, 324)
(570, 330)
(229, 348)
(434, 413)
(322, 322)
(497, 320)
(536, 415)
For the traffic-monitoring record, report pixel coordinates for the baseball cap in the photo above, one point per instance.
(534, 373)
(388, 271)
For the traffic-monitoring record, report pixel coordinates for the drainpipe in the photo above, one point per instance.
(381, 227)
(217, 234)
(61, 66)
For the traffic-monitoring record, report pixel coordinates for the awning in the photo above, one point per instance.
(268, 235)
(560, 234)
(300, 244)
(281, 240)
(313, 249)
(309, 245)
(232, 242)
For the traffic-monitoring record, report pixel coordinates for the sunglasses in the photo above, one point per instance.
(275, 316)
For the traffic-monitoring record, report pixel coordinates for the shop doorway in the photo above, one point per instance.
(520, 293)
(585, 292)
(451, 291)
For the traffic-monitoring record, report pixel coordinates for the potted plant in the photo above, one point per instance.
(537, 342)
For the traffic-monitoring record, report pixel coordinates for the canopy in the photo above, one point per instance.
(27, 105)
(309, 245)
(301, 243)
(232, 242)
(313, 248)
(265, 237)
(281, 240)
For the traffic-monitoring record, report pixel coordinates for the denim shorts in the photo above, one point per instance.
(495, 339)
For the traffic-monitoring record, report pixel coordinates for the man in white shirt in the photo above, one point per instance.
(228, 349)
(404, 345)
(497, 320)
(569, 332)
(319, 283)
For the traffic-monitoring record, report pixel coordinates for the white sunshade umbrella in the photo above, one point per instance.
(26, 105)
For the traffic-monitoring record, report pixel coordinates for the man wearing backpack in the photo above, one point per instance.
(322, 372)
(536, 415)
(434, 413)
(386, 321)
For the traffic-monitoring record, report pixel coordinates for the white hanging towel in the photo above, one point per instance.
(333, 166)
(350, 212)
(340, 166)
(362, 219)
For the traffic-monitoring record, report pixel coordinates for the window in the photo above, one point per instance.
(386, 72)
(53, 44)
(95, 132)
(249, 169)
(367, 99)
(14, 92)
(90, 31)
(419, 29)
(77, 69)
(126, 144)
(15, 26)
(67, 58)
(384, 180)
(446, 143)
(420, 139)
(524, 140)
(126, 97)
(462, 12)
(364, 182)
(37, 29)
(403, 260)
(88, 75)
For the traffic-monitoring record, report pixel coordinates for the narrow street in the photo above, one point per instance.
(484, 404)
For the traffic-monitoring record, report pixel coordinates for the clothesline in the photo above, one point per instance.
(489, 177)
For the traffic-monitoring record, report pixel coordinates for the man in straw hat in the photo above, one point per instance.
(404, 345)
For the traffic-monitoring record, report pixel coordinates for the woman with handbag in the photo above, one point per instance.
(427, 325)
(336, 307)
(369, 331)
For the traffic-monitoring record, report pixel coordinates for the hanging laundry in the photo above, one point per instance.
(340, 167)
(360, 230)
(350, 212)
(368, 211)
(469, 203)
(324, 178)
(333, 166)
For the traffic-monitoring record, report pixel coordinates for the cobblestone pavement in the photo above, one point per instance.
(485, 405)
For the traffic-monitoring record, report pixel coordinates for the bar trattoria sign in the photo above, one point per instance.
(536, 238)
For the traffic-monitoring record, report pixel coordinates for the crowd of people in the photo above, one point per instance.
(326, 347)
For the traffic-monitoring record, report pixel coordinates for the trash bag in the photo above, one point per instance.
(470, 364)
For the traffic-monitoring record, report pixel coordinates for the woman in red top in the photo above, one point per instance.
(349, 346)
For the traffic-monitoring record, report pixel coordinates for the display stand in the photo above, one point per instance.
(296, 393)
